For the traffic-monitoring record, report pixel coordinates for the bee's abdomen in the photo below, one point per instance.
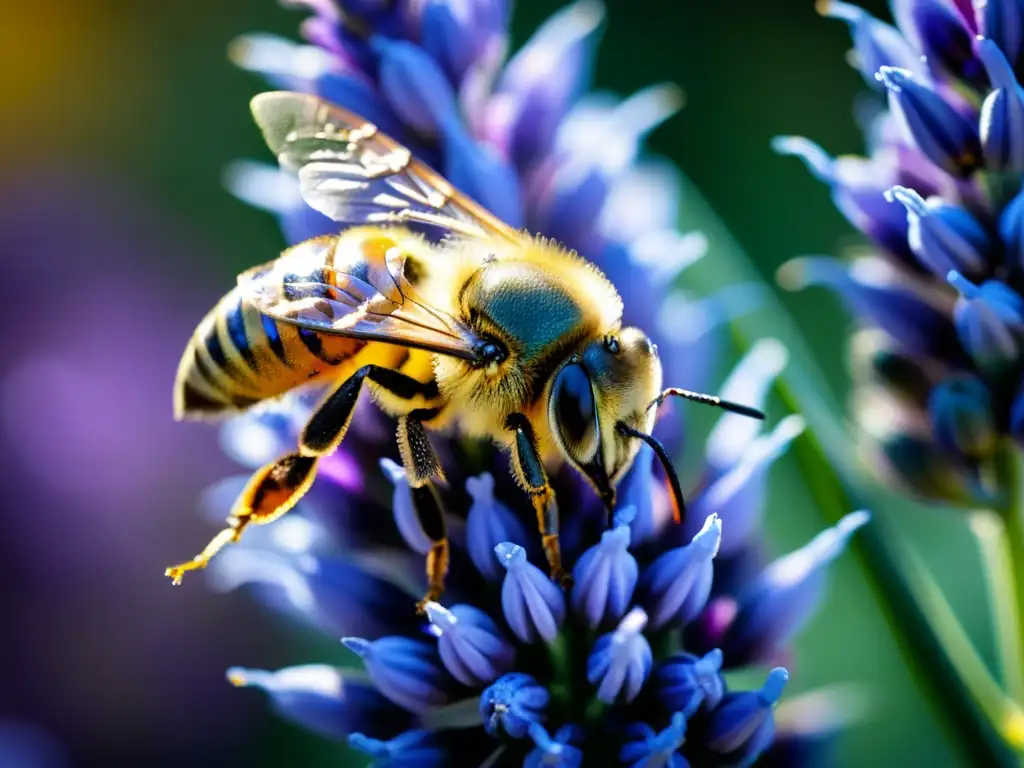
(238, 357)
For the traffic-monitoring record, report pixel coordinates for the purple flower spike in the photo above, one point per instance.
(554, 752)
(738, 496)
(675, 587)
(621, 660)
(943, 236)
(742, 726)
(605, 576)
(989, 321)
(534, 605)
(414, 85)
(646, 749)
(411, 749)
(321, 698)
(404, 510)
(488, 523)
(470, 643)
(786, 595)
(408, 672)
(945, 136)
(875, 43)
(523, 138)
(685, 683)
(512, 704)
(1002, 113)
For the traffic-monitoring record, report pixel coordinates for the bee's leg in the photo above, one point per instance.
(278, 486)
(422, 467)
(272, 491)
(530, 474)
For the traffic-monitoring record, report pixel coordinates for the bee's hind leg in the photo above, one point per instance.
(271, 492)
(422, 467)
(278, 486)
(530, 474)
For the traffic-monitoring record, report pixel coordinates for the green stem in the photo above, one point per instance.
(1001, 579)
(931, 646)
(1008, 476)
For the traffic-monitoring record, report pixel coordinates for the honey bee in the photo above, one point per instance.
(493, 332)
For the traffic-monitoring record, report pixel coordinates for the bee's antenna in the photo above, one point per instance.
(679, 511)
(717, 402)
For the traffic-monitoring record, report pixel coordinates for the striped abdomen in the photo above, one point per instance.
(239, 356)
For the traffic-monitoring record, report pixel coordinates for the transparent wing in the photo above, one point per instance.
(354, 174)
(373, 301)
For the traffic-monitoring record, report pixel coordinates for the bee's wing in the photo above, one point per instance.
(377, 304)
(353, 173)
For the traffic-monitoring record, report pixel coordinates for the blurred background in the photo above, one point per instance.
(116, 235)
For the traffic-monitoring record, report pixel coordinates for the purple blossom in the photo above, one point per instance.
(507, 659)
(943, 288)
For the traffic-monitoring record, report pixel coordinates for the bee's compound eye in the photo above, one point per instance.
(612, 344)
(573, 414)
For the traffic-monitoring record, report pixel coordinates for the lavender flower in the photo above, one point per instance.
(513, 664)
(509, 666)
(938, 366)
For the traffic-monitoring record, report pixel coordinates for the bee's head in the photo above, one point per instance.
(610, 383)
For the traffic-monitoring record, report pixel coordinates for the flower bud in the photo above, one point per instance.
(407, 671)
(685, 683)
(605, 575)
(324, 699)
(675, 587)
(786, 595)
(621, 660)
(413, 84)
(470, 644)
(1002, 21)
(945, 136)
(742, 726)
(644, 747)
(875, 43)
(512, 704)
(989, 321)
(534, 606)
(488, 523)
(1002, 113)
(961, 412)
(943, 236)
(411, 749)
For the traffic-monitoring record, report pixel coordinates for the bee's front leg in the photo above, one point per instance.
(422, 467)
(529, 472)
